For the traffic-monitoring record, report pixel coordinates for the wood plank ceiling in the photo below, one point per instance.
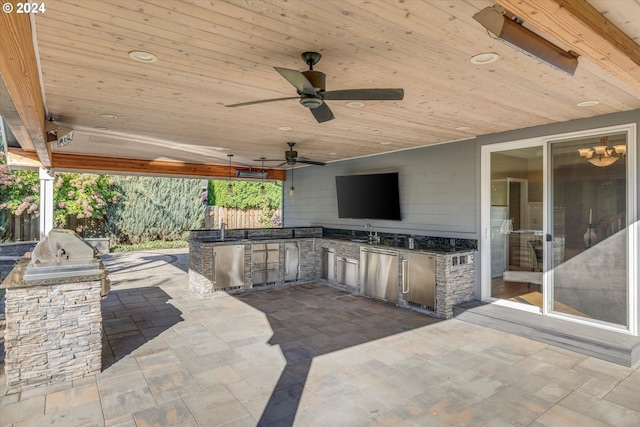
(214, 53)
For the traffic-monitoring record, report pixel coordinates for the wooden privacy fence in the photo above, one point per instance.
(26, 227)
(237, 218)
(23, 228)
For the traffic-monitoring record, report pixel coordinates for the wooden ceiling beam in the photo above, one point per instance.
(581, 28)
(70, 162)
(19, 71)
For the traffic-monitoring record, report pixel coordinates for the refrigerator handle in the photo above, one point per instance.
(286, 261)
(405, 278)
(215, 267)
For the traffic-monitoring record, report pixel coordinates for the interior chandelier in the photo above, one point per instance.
(601, 155)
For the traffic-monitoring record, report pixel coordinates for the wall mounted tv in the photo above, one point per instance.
(368, 196)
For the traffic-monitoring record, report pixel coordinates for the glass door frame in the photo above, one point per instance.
(633, 260)
(632, 227)
(485, 218)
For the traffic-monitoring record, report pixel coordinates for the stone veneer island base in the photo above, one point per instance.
(454, 268)
(53, 328)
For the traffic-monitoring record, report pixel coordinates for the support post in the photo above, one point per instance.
(46, 201)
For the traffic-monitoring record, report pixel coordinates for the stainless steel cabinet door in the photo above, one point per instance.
(265, 263)
(419, 279)
(379, 274)
(328, 264)
(228, 266)
(291, 262)
(347, 273)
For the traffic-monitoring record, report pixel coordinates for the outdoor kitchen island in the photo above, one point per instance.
(53, 313)
(244, 260)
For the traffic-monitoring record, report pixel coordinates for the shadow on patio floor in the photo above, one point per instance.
(304, 332)
(131, 317)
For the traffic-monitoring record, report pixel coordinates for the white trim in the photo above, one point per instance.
(632, 223)
(3, 136)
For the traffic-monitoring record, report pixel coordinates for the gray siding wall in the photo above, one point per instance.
(439, 184)
(437, 191)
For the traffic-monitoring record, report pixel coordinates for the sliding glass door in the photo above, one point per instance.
(559, 226)
(516, 225)
(589, 245)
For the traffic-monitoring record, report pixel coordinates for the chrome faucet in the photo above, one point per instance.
(371, 238)
(222, 225)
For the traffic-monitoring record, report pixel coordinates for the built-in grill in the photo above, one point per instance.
(64, 254)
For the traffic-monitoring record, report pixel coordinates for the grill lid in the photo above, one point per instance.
(62, 254)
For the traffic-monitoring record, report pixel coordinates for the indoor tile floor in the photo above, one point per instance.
(311, 355)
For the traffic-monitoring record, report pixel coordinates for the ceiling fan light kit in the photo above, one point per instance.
(310, 101)
(311, 88)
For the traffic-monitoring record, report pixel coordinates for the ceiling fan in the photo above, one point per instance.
(312, 94)
(291, 158)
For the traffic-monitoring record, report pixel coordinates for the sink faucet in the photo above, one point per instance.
(367, 225)
(222, 225)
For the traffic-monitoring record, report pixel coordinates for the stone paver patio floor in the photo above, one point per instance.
(312, 355)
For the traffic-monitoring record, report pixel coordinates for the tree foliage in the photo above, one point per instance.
(245, 194)
(155, 209)
(83, 195)
(19, 190)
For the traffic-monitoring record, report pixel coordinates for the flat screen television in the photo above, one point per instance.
(373, 196)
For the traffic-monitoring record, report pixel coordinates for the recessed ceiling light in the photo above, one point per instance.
(333, 153)
(108, 116)
(142, 56)
(484, 58)
(355, 104)
(285, 128)
(101, 128)
(590, 103)
(463, 128)
(385, 143)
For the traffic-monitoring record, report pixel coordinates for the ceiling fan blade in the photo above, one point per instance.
(267, 160)
(242, 104)
(364, 95)
(281, 164)
(322, 113)
(308, 161)
(298, 80)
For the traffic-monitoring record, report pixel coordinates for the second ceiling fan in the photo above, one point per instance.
(312, 91)
(291, 158)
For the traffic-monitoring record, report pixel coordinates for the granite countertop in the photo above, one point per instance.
(361, 242)
(392, 246)
(15, 279)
